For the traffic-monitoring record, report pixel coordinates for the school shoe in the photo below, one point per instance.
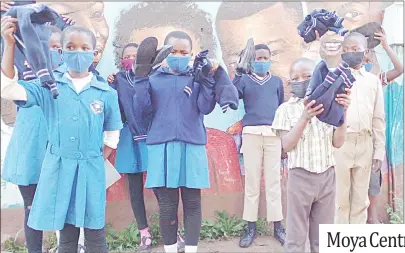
(368, 31)
(279, 235)
(181, 244)
(247, 238)
(247, 58)
(146, 244)
(161, 55)
(145, 57)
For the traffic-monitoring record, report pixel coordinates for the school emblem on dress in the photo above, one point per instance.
(96, 106)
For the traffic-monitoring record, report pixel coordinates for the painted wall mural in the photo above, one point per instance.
(223, 28)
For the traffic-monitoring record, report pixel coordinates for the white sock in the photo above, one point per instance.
(57, 236)
(171, 248)
(190, 249)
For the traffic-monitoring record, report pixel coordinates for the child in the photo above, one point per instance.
(385, 78)
(364, 148)
(309, 144)
(27, 147)
(131, 157)
(71, 189)
(262, 94)
(176, 137)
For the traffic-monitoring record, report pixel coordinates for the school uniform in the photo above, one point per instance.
(27, 147)
(261, 147)
(71, 186)
(177, 135)
(311, 177)
(132, 154)
(365, 141)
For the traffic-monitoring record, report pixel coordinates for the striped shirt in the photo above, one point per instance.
(314, 150)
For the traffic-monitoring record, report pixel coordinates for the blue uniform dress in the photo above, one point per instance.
(177, 136)
(132, 154)
(27, 147)
(71, 187)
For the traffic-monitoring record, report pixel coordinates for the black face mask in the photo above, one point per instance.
(353, 58)
(299, 88)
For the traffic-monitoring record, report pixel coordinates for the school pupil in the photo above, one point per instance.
(131, 156)
(309, 144)
(176, 137)
(71, 188)
(262, 94)
(27, 147)
(364, 149)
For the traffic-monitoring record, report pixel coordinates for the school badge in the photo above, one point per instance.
(96, 106)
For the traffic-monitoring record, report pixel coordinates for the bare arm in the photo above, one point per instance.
(340, 133)
(10, 89)
(111, 139)
(398, 67)
(312, 51)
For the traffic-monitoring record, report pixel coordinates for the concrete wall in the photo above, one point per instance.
(223, 28)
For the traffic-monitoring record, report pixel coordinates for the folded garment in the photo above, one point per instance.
(226, 94)
(368, 31)
(32, 38)
(323, 88)
(321, 21)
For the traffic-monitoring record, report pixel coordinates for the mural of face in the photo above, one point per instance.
(273, 24)
(159, 19)
(355, 14)
(89, 15)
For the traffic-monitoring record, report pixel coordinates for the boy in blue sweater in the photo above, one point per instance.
(262, 94)
(27, 147)
(71, 188)
(176, 137)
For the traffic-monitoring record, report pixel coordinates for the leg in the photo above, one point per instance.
(168, 200)
(81, 241)
(68, 239)
(272, 161)
(95, 240)
(253, 162)
(32, 237)
(361, 180)
(323, 209)
(344, 158)
(301, 192)
(191, 199)
(373, 192)
(135, 184)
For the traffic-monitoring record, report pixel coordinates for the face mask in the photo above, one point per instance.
(78, 61)
(178, 63)
(368, 66)
(353, 59)
(127, 63)
(56, 58)
(299, 88)
(261, 67)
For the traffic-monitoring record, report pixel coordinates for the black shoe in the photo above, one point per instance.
(279, 234)
(247, 238)
(145, 56)
(247, 58)
(161, 55)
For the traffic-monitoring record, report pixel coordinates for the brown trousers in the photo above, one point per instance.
(310, 202)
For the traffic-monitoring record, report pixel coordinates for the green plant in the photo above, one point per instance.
(263, 227)
(50, 242)
(126, 239)
(397, 216)
(12, 246)
(223, 227)
(155, 229)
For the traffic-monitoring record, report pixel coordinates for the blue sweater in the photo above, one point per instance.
(261, 98)
(175, 117)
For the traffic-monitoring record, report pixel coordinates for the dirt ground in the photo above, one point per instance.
(262, 244)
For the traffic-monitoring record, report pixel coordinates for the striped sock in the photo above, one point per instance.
(188, 91)
(54, 90)
(225, 108)
(171, 248)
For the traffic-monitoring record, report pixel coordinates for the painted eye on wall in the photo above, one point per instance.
(352, 15)
(97, 14)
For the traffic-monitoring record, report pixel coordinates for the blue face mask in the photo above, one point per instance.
(368, 66)
(78, 61)
(261, 67)
(178, 63)
(56, 58)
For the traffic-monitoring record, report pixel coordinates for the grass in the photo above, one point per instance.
(397, 216)
(223, 227)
